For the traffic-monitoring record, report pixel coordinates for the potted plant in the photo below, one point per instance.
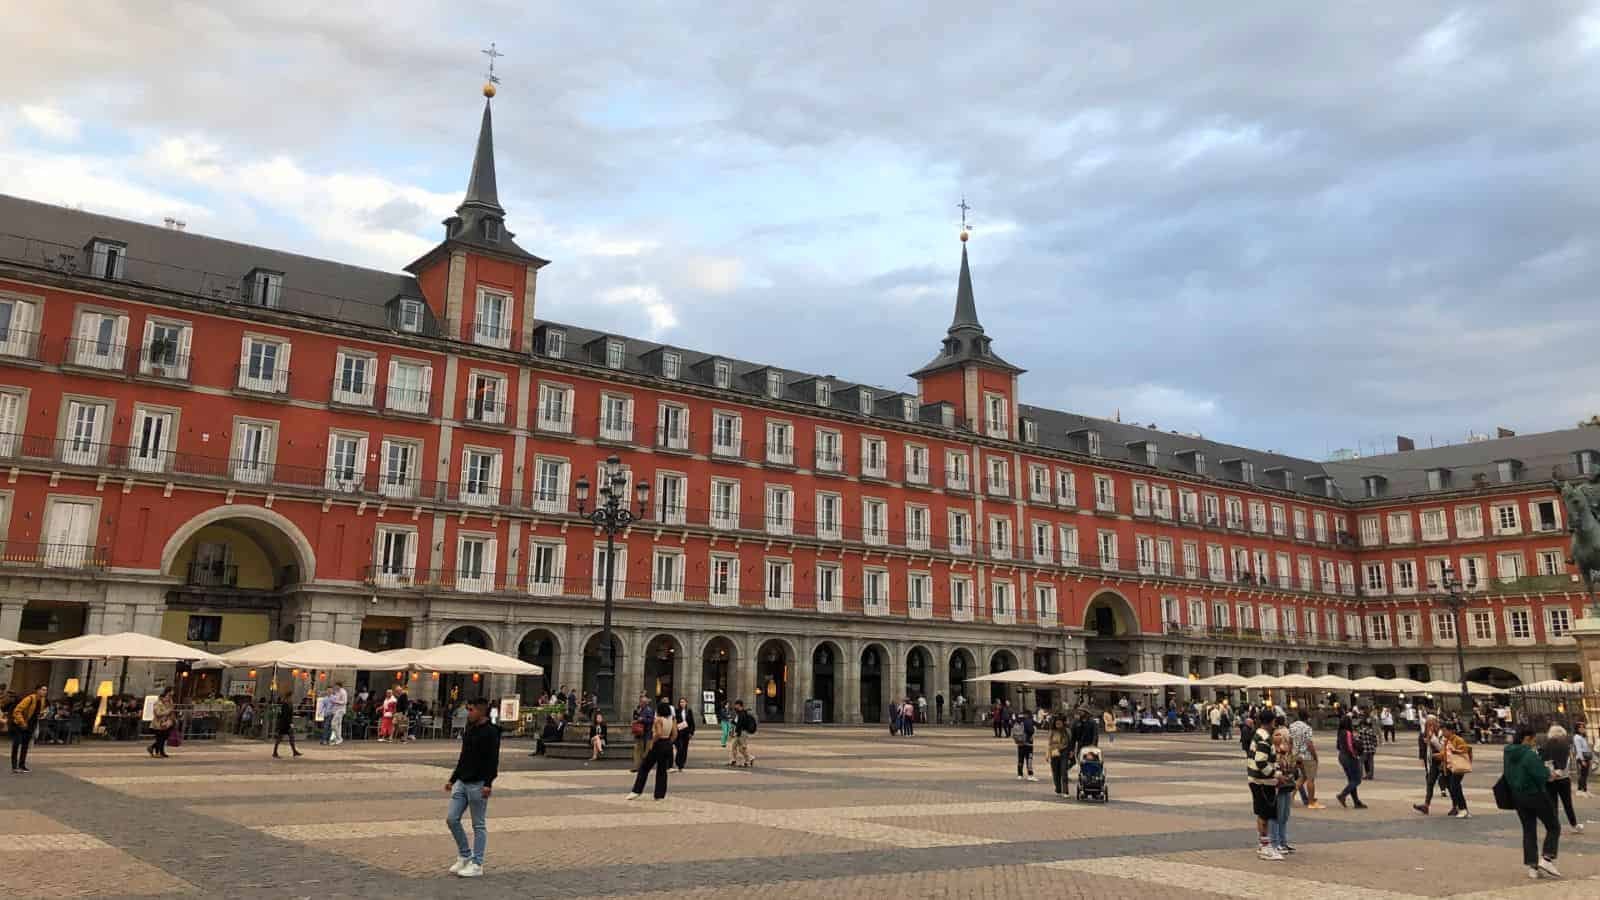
(161, 349)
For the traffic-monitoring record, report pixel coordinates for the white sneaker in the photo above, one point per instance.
(1031, 778)
(1269, 853)
(1533, 872)
(470, 870)
(633, 796)
(461, 863)
(1464, 815)
(1548, 866)
(1019, 777)
(1578, 828)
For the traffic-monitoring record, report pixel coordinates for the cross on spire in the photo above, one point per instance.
(493, 55)
(964, 210)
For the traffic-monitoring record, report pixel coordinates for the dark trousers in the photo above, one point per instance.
(999, 728)
(683, 750)
(281, 736)
(1561, 789)
(20, 739)
(1583, 775)
(660, 756)
(1060, 772)
(1024, 757)
(159, 745)
(1434, 777)
(908, 726)
(1388, 733)
(1352, 776)
(1366, 763)
(1458, 798)
(1533, 809)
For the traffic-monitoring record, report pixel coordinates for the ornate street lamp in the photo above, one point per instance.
(612, 514)
(1454, 598)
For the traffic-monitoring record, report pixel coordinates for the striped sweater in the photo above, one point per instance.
(1261, 763)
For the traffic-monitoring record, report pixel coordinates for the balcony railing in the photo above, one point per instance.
(203, 574)
(16, 343)
(93, 354)
(616, 431)
(260, 380)
(412, 401)
(163, 362)
(74, 557)
(355, 392)
(727, 448)
(486, 411)
(672, 439)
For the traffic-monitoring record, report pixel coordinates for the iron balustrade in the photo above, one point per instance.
(34, 554)
(261, 381)
(163, 362)
(104, 356)
(408, 401)
(354, 392)
(486, 410)
(204, 574)
(675, 439)
(723, 448)
(550, 420)
(17, 343)
(615, 431)
(778, 454)
(831, 463)
(492, 334)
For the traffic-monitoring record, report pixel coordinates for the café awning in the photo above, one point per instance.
(318, 655)
(456, 658)
(14, 648)
(126, 645)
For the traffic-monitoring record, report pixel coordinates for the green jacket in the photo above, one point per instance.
(1525, 772)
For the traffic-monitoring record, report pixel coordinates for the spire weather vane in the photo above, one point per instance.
(493, 55)
(965, 228)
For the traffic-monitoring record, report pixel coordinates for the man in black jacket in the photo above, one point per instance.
(685, 717)
(469, 787)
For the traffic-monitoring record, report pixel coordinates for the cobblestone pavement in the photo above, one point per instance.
(828, 812)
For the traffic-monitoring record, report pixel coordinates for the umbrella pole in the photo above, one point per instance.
(122, 680)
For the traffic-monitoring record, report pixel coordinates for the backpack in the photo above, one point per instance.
(753, 723)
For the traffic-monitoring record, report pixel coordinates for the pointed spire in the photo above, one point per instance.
(482, 192)
(966, 306)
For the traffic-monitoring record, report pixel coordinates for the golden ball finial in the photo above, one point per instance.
(963, 235)
(488, 89)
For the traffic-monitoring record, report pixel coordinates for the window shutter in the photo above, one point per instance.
(9, 404)
(427, 389)
(491, 550)
(239, 432)
(361, 459)
(269, 444)
(494, 478)
(394, 375)
(411, 554)
(466, 457)
(244, 357)
(119, 341)
(86, 328)
(331, 479)
(477, 314)
(144, 345)
(738, 433)
(282, 373)
(185, 341)
(22, 320)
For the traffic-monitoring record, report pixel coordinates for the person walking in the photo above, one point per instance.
(684, 718)
(1261, 773)
(725, 719)
(1430, 746)
(1386, 720)
(1305, 750)
(386, 716)
(1350, 761)
(1525, 777)
(471, 782)
(1367, 736)
(162, 719)
(643, 717)
(663, 738)
(285, 727)
(1060, 750)
(1582, 757)
(338, 703)
(1289, 776)
(24, 718)
(1558, 756)
(995, 716)
(744, 725)
(1109, 719)
(908, 719)
(1022, 730)
(1455, 761)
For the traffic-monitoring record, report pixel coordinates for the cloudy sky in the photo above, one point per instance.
(1296, 227)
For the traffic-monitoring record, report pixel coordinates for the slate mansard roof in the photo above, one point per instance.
(39, 235)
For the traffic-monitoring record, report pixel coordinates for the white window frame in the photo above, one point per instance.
(667, 575)
(555, 408)
(727, 434)
(780, 442)
(548, 583)
(386, 570)
(616, 416)
(416, 401)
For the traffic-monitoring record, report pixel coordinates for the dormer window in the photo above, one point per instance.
(555, 343)
(491, 230)
(1030, 431)
(908, 409)
(671, 363)
(775, 385)
(1094, 443)
(721, 374)
(824, 394)
(1508, 470)
(410, 318)
(1247, 472)
(1438, 479)
(865, 398)
(1199, 463)
(1586, 462)
(264, 288)
(614, 354)
(1373, 485)
(108, 259)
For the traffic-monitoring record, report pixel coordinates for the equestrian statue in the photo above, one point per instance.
(1582, 499)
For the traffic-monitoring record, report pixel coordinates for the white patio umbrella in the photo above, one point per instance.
(319, 655)
(1552, 686)
(14, 648)
(1442, 687)
(1152, 681)
(1479, 689)
(1223, 680)
(126, 646)
(456, 658)
(1299, 681)
(1261, 682)
(1335, 683)
(1085, 678)
(1374, 684)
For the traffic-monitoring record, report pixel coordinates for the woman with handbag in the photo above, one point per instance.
(162, 718)
(1557, 756)
(1350, 761)
(663, 737)
(1455, 761)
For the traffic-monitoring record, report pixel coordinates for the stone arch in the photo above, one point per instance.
(875, 668)
(776, 667)
(469, 634)
(828, 667)
(1109, 614)
(919, 674)
(542, 647)
(305, 557)
(664, 667)
(962, 668)
(1494, 676)
(718, 656)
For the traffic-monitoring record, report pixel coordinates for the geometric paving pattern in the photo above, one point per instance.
(828, 812)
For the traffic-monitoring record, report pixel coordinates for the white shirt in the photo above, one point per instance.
(339, 699)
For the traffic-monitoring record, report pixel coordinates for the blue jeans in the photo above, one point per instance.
(1278, 828)
(463, 797)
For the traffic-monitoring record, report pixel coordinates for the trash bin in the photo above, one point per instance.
(813, 712)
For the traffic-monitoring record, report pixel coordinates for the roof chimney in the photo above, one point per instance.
(1403, 443)
(1504, 433)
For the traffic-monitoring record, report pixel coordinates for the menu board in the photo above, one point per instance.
(708, 706)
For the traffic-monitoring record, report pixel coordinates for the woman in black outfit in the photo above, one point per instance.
(663, 738)
(597, 736)
(285, 725)
(1557, 755)
(1349, 760)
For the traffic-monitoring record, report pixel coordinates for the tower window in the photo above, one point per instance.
(491, 230)
(109, 259)
(411, 316)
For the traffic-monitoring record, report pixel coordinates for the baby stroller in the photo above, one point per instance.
(1092, 776)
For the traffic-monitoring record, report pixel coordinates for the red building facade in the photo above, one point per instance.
(225, 444)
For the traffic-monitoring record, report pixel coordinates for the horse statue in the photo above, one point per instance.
(1582, 499)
